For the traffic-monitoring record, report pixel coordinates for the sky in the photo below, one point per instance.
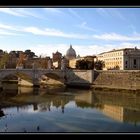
(90, 30)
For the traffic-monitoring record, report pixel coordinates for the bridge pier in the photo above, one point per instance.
(36, 82)
(0, 84)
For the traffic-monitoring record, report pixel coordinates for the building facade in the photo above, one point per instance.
(56, 58)
(122, 59)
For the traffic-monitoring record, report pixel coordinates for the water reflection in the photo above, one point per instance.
(124, 108)
(117, 106)
(1, 113)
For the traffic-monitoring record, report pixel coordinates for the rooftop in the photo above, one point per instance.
(115, 50)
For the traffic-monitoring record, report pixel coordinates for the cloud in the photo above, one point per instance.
(117, 37)
(53, 32)
(74, 13)
(116, 13)
(29, 12)
(14, 30)
(48, 49)
(82, 50)
(102, 12)
(3, 32)
(133, 28)
(110, 12)
(53, 10)
(20, 12)
(4, 26)
(9, 30)
(10, 27)
(86, 27)
(11, 11)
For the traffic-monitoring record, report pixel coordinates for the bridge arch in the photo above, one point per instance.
(16, 75)
(50, 78)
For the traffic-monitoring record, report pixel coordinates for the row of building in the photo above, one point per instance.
(28, 59)
(120, 59)
(116, 59)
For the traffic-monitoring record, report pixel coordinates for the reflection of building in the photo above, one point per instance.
(35, 106)
(115, 112)
(116, 108)
(1, 113)
(121, 113)
(123, 59)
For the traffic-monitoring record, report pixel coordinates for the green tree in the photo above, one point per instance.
(84, 64)
(99, 65)
(29, 53)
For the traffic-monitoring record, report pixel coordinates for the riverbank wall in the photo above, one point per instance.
(117, 79)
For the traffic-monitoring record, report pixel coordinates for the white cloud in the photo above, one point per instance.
(14, 30)
(28, 12)
(82, 50)
(116, 13)
(11, 11)
(10, 27)
(102, 12)
(53, 10)
(53, 32)
(7, 33)
(113, 12)
(4, 26)
(86, 27)
(117, 37)
(21, 12)
(48, 49)
(9, 30)
(74, 13)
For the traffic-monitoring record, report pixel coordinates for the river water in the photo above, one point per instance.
(60, 109)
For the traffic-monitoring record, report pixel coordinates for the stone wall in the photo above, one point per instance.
(79, 76)
(117, 79)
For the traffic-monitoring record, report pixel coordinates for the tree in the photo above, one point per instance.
(4, 60)
(99, 65)
(84, 64)
(29, 53)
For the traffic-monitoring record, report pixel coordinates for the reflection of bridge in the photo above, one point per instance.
(33, 76)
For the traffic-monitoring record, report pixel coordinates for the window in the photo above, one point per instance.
(125, 62)
(134, 61)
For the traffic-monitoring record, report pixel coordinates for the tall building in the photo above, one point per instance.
(123, 59)
(71, 53)
(56, 56)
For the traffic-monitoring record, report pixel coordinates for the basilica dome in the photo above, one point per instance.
(70, 54)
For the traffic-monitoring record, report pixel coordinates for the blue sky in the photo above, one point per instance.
(89, 30)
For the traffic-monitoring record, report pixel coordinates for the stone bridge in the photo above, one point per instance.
(32, 77)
